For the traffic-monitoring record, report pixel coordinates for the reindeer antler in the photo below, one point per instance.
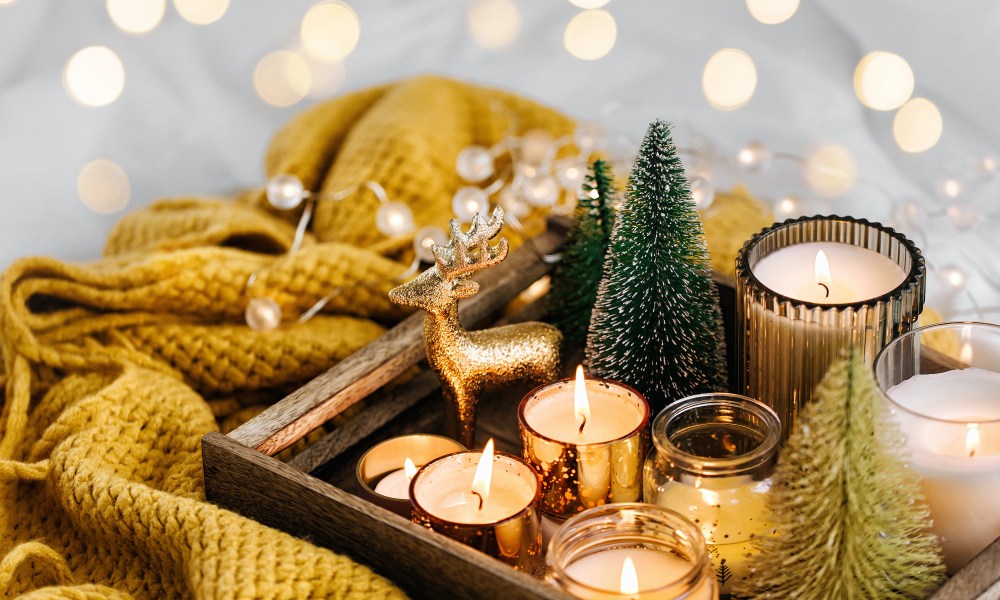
(470, 252)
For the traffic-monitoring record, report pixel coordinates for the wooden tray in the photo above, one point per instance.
(312, 496)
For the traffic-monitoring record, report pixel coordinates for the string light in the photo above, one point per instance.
(917, 125)
(469, 201)
(953, 277)
(285, 192)
(963, 215)
(330, 31)
(570, 173)
(540, 190)
(201, 12)
(772, 12)
(474, 164)
(394, 219)
(588, 135)
(282, 78)
(425, 239)
(702, 191)
(729, 79)
(262, 314)
(591, 34)
(136, 16)
(831, 170)
(787, 206)
(493, 24)
(950, 188)
(103, 187)
(754, 156)
(883, 80)
(94, 76)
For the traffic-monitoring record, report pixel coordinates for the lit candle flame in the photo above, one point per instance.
(972, 439)
(581, 404)
(484, 473)
(409, 468)
(823, 272)
(630, 579)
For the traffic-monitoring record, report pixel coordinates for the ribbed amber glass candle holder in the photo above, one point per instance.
(785, 345)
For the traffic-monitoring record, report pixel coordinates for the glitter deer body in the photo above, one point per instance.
(469, 363)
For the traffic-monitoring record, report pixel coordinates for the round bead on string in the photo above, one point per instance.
(263, 314)
(540, 190)
(963, 215)
(468, 201)
(950, 188)
(474, 164)
(588, 135)
(394, 218)
(285, 192)
(425, 239)
(755, 156)
(953, 277)
(512, 203)
(787, 206)
(535, 146)
(570, 173)
(702, 191)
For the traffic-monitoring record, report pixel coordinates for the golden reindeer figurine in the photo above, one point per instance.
(469, 363)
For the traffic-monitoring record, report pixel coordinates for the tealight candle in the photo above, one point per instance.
(948, 408)
(630, 550)
(385, 470)
(484, 499)
(809, 287)
(587, 438)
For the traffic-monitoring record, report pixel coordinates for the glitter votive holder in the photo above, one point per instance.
(788, 334)
(602, 465)
(386, 460)
(712, 461)
(630, 551)
(508, 524)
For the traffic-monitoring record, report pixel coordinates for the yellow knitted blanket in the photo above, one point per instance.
(113, 370)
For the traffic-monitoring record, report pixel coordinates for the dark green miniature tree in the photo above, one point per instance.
(576, 277)
(849, 520)
(656, 324)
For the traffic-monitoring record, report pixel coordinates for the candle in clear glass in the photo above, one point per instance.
(789, 330)
(599, 464)
(506, 525)
(947, 405)
(667, 555)
(711, 462)
(384, 461)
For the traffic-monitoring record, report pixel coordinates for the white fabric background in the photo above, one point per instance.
(189, 121)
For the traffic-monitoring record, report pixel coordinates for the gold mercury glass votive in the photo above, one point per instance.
(506, 524)
(596, 466)
(381, 473)
(809, 287)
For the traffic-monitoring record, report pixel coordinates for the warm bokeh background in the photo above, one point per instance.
(187, 108)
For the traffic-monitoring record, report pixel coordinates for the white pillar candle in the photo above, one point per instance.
(953, 434)
(855, 274)
(654, 570)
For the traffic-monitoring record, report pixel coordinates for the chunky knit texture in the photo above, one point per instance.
(113, 370)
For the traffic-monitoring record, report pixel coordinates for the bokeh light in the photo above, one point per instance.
(201, 12)
(585, 4)
(883, 80)
(729, 79)
(282, 78)
(326, 78)
(136, 16)
(493, 24)
(917, 125)
(94, 76)
(772, 12)
(330, 30)
(831, 170)
(590, 34)
(103, 187)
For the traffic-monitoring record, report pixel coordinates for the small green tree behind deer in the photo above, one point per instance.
(576, 277)
(656, 323)
(850, 521)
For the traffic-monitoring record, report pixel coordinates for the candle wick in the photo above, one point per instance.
(478, 495)
(584, 424)
(825, 288)
(972, 452)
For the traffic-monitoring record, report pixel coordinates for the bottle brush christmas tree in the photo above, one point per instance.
(576, 277)
(656, 324)
(850, 521)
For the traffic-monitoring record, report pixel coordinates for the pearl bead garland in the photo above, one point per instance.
(394, 219)
(474, 164)
(468, 201)
(285, 192)
(263, 314)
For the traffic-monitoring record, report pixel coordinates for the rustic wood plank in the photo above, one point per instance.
(368, 369)
(424, 564)
(381, 407)
(979, 580)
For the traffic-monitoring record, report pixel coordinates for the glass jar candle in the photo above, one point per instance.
(947, 406)
(630, 550)
(809, 287)
(711, 461)
(499, 518)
